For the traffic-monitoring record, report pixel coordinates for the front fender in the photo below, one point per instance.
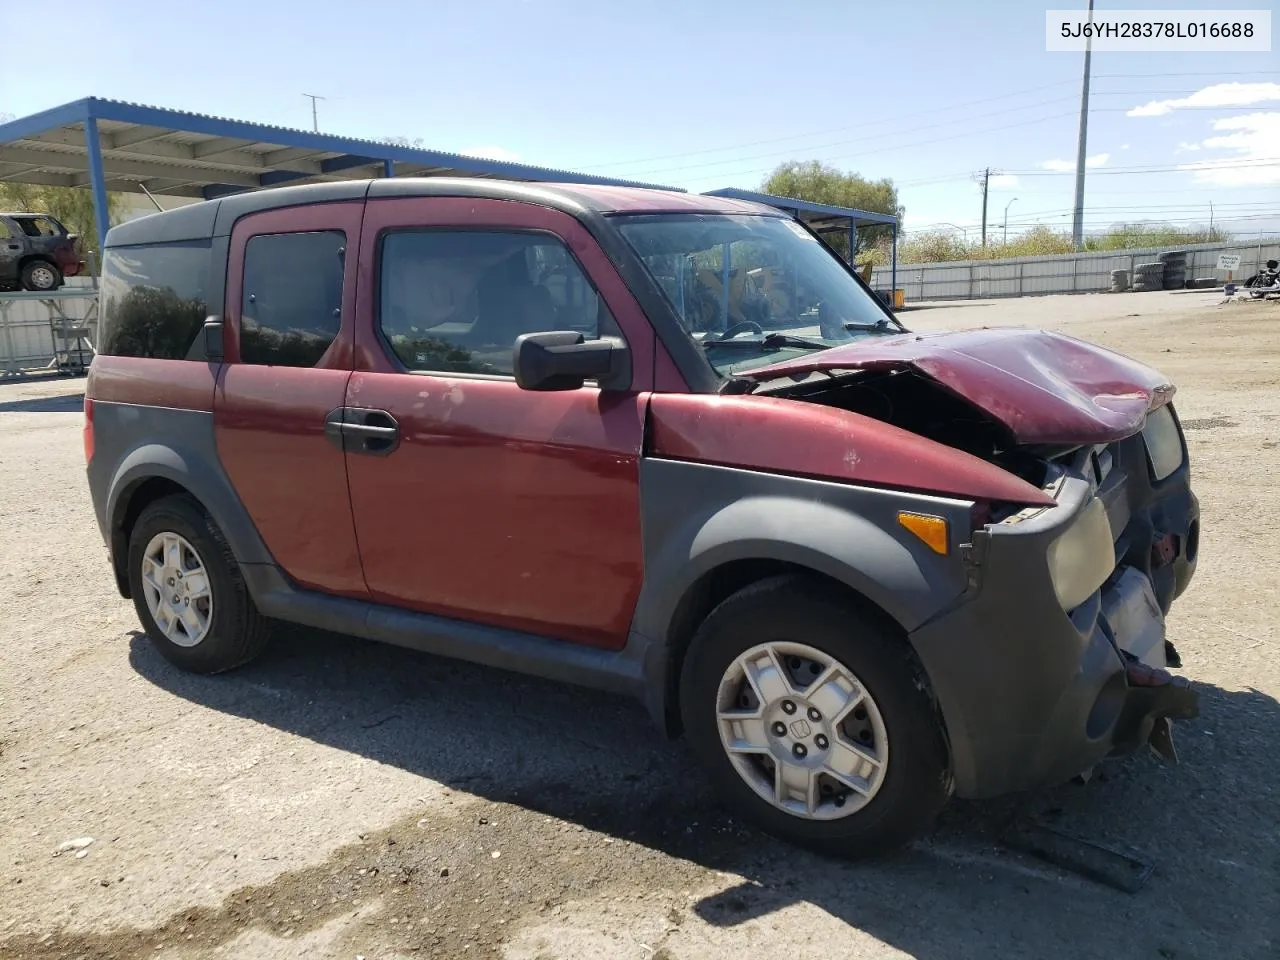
(698, 517)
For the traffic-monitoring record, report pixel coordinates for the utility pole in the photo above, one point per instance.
(986, 184)
(315, 123)
(1210, 219)
(1077, 222)
(1004, 235)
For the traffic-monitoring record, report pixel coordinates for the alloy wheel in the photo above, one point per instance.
(802, 731)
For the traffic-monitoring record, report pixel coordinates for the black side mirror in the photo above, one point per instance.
(565, 360)
(213, 349)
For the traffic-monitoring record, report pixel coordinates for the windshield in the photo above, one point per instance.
(753, 290)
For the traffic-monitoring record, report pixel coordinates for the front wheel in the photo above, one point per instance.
(812, 719)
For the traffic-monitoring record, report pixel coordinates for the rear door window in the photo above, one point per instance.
(291, 305)
(153, 300)
(39, 227)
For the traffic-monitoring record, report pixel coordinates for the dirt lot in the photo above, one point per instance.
(342, 800)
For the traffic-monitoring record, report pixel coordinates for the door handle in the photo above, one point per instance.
(361, 430)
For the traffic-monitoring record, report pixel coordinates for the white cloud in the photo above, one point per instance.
(1253, 145)
(1124, 146)
(1185, 147)
(1218, 95)
(1066, 166)
(1003, 180)
(500, 154)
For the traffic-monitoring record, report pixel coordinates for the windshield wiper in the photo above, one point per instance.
(878, 325)
(772, 341)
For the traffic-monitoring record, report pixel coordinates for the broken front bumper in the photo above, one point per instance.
(1032, 695)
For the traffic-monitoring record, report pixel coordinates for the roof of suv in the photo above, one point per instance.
(216, 217)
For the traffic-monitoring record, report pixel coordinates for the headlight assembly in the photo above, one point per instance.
(1082, 558)
(1164, 444)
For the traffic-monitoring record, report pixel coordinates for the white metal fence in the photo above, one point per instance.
(27, 339)
(1063, 273)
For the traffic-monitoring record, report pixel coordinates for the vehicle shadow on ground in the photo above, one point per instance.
(1209, 824)
(67, 403)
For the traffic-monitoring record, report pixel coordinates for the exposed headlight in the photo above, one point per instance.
(1164, 445)
(1082, 558)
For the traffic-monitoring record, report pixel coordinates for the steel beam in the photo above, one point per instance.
(93, 148)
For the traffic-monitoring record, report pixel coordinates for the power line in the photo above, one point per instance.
(1193, 167)
(649, 171)
(880, 122)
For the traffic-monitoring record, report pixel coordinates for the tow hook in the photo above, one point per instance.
(1156, 698)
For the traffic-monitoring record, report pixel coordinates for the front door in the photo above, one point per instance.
(288, 340)
(493, 504)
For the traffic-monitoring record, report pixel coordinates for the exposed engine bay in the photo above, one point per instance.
(914, 402)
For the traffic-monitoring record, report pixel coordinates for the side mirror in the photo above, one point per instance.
(213, 349)
(565, 360)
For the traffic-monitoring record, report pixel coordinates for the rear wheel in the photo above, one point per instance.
(41, 276)
(811, 717)
(188, 591)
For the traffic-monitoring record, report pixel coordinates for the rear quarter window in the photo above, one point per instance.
(154, 299)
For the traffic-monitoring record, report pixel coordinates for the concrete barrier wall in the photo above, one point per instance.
(1063, 273)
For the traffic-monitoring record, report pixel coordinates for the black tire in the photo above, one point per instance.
(917, 781)
(237, 632)
(41, 276)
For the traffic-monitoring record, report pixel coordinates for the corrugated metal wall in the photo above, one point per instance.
(1064, 273)
(26, 337)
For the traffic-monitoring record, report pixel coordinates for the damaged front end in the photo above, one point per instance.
(1057, 655)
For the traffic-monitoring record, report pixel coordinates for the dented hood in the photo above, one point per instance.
(1046, 388)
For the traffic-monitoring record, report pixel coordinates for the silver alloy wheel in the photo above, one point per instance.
(802, 731)
(42, 277)
(177, 589)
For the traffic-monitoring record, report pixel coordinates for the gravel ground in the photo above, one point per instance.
(339, 800)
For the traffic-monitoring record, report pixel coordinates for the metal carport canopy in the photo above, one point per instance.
(127, 147)
(825, 218)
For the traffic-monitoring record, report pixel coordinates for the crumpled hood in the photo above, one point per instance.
(1046, 388)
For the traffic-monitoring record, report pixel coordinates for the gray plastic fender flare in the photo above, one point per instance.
(205, 483)
(850, 534)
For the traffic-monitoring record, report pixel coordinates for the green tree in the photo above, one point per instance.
(73, 206)
(818, 183)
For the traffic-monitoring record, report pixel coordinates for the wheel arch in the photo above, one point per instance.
(154, 471)
(722, 581)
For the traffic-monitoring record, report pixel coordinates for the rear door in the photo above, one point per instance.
(490, 503)
(288, 341)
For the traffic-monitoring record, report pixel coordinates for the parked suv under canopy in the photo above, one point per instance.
(545, 428)
(36, 252)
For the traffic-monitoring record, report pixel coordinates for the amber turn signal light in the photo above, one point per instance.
(932, 531)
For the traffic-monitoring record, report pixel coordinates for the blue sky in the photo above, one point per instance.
(709, 93)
